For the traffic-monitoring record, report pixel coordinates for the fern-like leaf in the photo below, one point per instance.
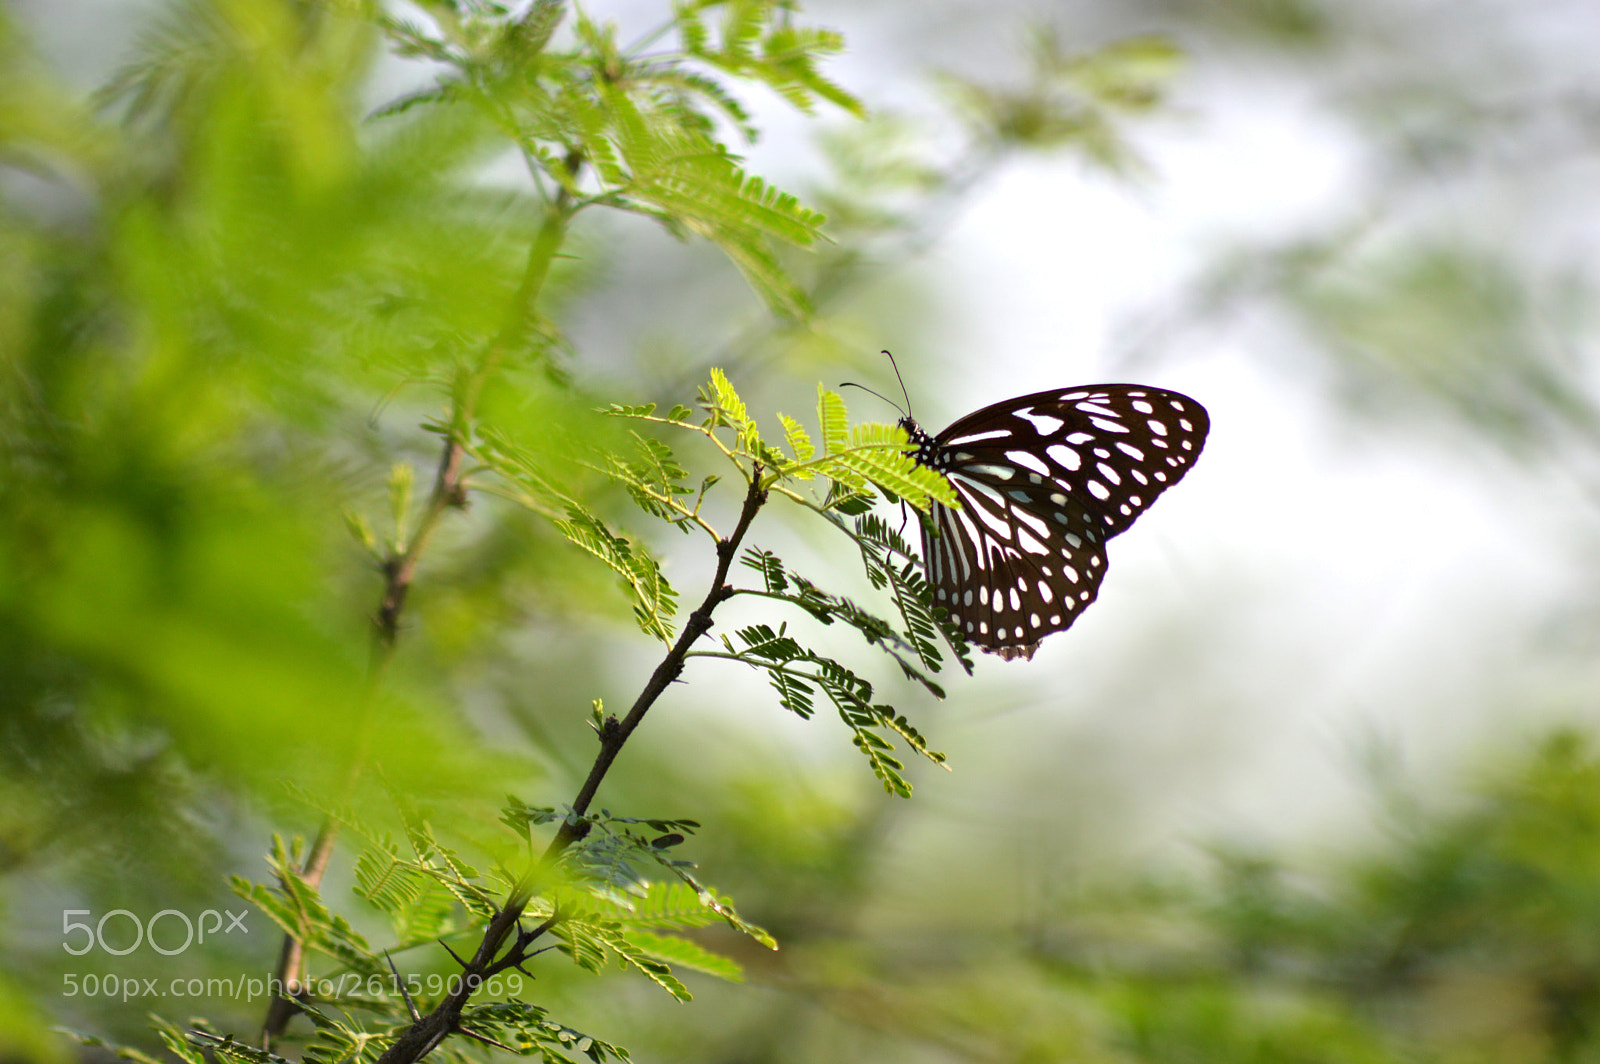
(528, 1030)
(655, 600)
(880, 454)
(800, 444)
(727, 408)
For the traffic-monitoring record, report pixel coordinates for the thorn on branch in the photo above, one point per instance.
(411, 1006)
(452, 953)
(518, 966)
(518, 953)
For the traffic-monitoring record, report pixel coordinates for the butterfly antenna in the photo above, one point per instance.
(869, 391)
(896, 368)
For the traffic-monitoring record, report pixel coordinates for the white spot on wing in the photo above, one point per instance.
(1043, 422)
(976, 437)
(1023, 458)
(1031, 521)
(1065, 457)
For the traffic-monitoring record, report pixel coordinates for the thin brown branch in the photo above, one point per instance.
(485, 1039)
(449, 492)
(422, 1036)
(615, 735)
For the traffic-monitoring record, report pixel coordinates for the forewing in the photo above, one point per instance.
(1110, 448)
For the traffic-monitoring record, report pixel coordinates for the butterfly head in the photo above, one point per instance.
(927, 449)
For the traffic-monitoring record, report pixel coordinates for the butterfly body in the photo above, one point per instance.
(1044, 480)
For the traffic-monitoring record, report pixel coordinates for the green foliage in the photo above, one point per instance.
(636, 130)
(655, 600)
(853, 459)
(800, 445)
(263, 309)
(1075, 99)
(796, 673)
(525, 1028)
(759, 41)
(625, 923)
(544, 483)
(121, 1052)
(881, 546)
(337, 1041)
(296, 906)
(242, 301)
(620, 869)
(1459, 329)
(785, 585)
(421, 907)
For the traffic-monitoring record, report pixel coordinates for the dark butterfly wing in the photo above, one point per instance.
(1044, 480)
(1005, 578)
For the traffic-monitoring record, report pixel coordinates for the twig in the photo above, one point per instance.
(423, 1035)
(485, 1039)
(449, 492)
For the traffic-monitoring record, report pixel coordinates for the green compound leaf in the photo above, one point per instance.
(655, 601)
(528, 1029)
(800, 445)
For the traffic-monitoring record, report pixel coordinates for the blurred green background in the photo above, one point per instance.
(1317, 778)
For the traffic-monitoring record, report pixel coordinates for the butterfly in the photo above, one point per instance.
(1044, 480)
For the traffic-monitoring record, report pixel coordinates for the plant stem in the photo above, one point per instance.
(423, 1035)
(449, 492)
